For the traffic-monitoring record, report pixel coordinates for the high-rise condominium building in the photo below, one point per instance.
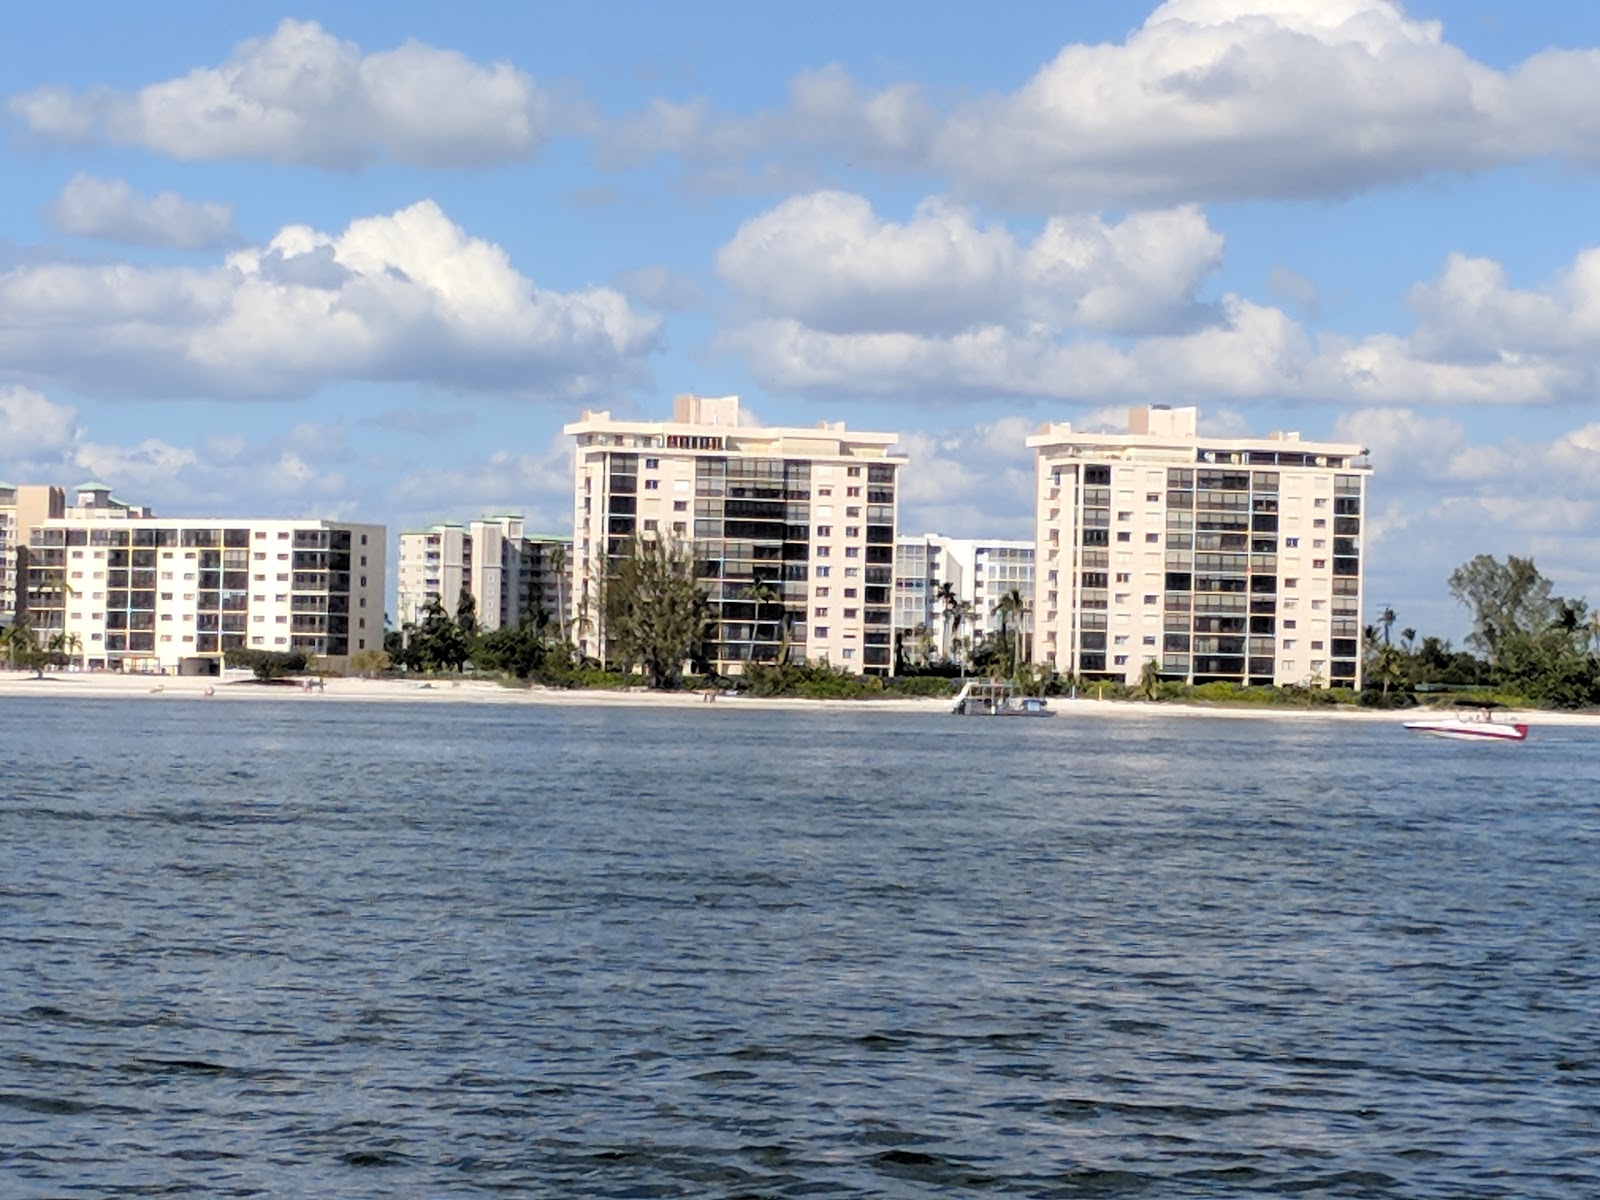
(139, 593)
(510, 575)
(1233, 559)
(792, 531)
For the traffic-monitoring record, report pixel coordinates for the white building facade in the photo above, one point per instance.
(1233, 559)
(137, 593)
(804, 516)
(980, 572)
(511, 576)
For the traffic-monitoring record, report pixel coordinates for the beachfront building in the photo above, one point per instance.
(140, 593)
(510, 575)
(22, 506)
(792, 530)
(952, 588)
(1235, 559)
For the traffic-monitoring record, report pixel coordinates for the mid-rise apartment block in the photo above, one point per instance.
(22, 506)
(792, 530)
(979, 572)
(137, 593)
(1234, 559)
(510, 575)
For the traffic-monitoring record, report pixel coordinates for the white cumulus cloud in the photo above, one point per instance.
(408, 296)
(302, 95)
(828, 261)
(31, 424)
(109, 209)
(1206, 100)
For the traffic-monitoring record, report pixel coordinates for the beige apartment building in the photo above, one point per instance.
(132, 592)
(804, 516)
(509, 574)
(1234, 559)
(22, 506)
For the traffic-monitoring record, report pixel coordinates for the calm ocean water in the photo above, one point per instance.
(297, 949)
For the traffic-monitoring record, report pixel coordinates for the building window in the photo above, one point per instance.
(651, 464)
(680, 506)
(824, 572)
(1124, 516)
(822, 552)
(1289, 623)
(1124, 577)
(1321, 502)
(1149, 639)
(1318, 564)
(1120, 640)
(852, 572)
(848, 652)
(652, 485)
(1291, 543)
(1316, 645)
(822, 592)
(1291, 582)
(824, 491)
(1123, 535)
(824, 530)
(850, 593)
(1152, 538)
(1288, 643)
(1152, 497)
(853, 472)
(820, 612)
(820, 631)
(1120, 660)
(852, 551)
(1150, 599)
(852, 491)
(852, 531)
(853, 510)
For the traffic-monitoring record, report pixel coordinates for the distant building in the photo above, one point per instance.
(979, 573)
(510, 575)
(22, 506)
(138, 593)
(1234, 559)
(808, 513)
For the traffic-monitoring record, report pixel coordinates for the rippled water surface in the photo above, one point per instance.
(300, 949)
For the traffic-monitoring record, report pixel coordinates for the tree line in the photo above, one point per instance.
(1527, 643)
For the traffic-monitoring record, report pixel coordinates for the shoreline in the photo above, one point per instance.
(20, 684)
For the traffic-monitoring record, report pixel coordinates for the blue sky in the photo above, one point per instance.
(364, 260)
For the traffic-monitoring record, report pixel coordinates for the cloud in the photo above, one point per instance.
(663, 288)
(840, 303)
(537, 484)
(827, 260)
(109, 209)
(1207, 100)
(304, 96)
(404, 297)
(31, 424)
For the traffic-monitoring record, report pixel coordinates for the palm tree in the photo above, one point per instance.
(1387, 620)
(558, 568)
(945, 598)
(964, 611)
(1012, 609)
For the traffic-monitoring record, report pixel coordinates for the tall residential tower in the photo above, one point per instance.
(792, 530)
(1234, 559)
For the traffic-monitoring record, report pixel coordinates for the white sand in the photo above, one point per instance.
(19, 684)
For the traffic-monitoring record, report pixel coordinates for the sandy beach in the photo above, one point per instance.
(17, 685)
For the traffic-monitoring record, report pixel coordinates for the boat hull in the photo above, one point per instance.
(1471, 731)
